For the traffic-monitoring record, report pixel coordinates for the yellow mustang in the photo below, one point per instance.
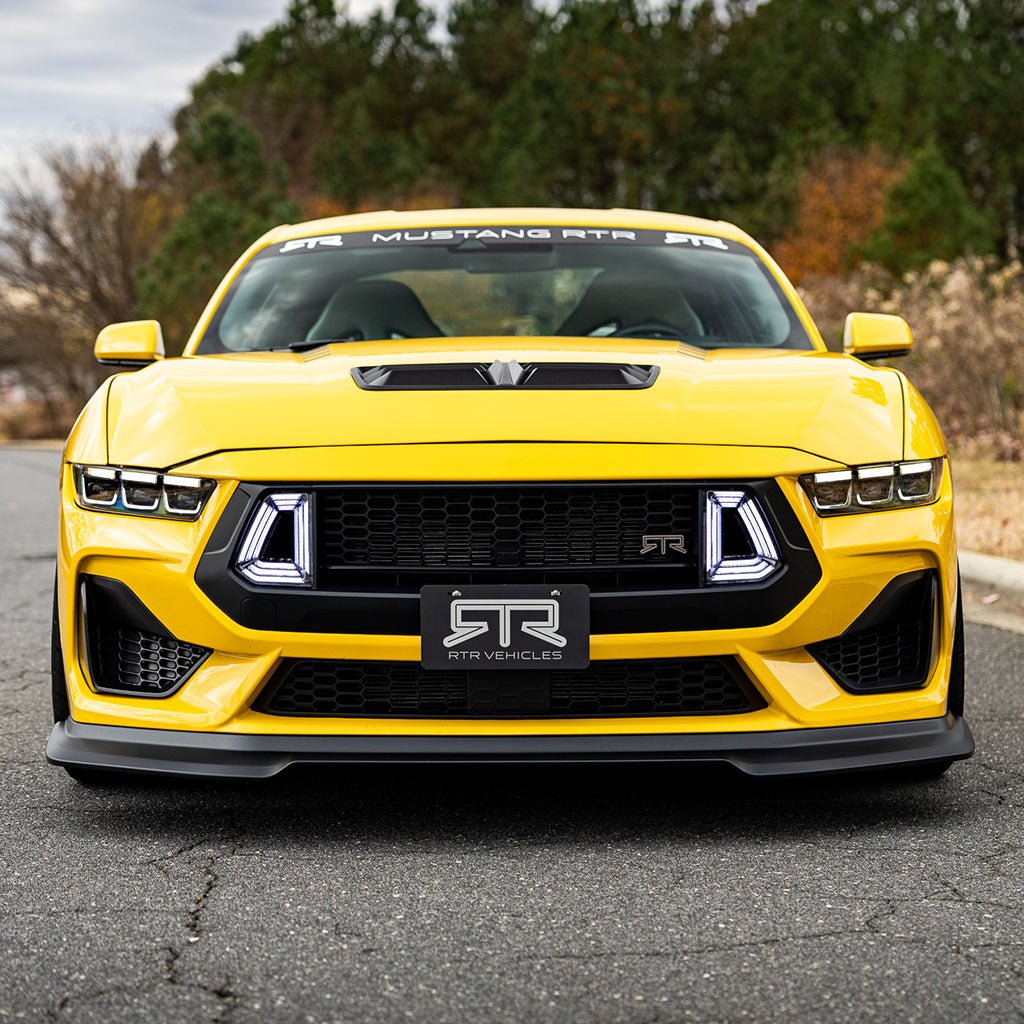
(506, 485)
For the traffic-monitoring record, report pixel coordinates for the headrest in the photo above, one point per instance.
(372, 310)
(629, 299)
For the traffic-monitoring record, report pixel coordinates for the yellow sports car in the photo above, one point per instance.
(506, 486)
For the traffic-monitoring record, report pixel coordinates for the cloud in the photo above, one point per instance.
(110, 65)
(71, 70)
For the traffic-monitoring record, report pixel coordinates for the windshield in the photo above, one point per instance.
(530, 281)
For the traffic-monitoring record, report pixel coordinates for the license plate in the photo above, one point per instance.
(505, 627)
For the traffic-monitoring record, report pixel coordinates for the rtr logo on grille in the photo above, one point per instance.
(663, 543)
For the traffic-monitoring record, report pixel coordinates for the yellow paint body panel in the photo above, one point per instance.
(729, 414)
(183, 409)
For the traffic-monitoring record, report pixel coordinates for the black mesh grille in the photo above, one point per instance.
(521, 528)
(891, 654)
(135, 661)
(656, 686)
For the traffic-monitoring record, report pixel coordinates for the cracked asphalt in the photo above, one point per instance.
(634, 894)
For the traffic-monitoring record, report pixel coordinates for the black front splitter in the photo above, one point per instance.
(249, 756)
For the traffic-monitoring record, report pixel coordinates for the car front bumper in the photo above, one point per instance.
(213, 724)
(766, 754)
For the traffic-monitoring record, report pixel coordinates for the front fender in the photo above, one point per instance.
(922, 435)
(87, 442)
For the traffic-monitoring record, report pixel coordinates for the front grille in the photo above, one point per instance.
(404, 689)
(593, 532)
(376, 545)
(888, 648)
(131, 660)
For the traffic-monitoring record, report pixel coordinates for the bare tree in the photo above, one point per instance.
(71, 241)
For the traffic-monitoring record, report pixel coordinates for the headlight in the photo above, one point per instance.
(874, 488)
(139, 492)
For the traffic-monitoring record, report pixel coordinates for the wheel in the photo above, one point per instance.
(58, 682)
(955, 699)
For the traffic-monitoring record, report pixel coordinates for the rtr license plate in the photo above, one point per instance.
(505, 627)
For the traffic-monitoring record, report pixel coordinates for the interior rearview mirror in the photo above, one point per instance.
(870, 336)
(132, 344)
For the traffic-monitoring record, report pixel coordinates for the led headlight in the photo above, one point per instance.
(141, 492)
(874, 488)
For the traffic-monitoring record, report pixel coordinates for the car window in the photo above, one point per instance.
(364, 286)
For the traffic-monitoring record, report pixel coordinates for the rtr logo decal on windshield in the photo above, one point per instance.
(698, 241)
(333, 241)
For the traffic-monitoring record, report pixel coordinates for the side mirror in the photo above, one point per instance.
(871, 336)
(132, 345)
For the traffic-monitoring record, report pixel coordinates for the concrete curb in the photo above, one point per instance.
(1002, 574)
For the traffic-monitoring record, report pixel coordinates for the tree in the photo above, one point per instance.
(577, 128)
(493, 44)
(72, 238)
(283, 83)
(840, 201)
(928, 215)
(232, 194)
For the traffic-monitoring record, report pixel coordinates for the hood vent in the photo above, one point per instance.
(500, 374)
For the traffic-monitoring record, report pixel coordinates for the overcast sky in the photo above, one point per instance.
(73, 69)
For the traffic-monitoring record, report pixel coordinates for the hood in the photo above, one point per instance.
(822, 403)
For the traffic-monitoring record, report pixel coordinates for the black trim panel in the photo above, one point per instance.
(393, 612)
(612, 688)
(105, 600)
(543, 376)
(231, 756)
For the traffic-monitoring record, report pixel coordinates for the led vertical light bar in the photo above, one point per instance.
(722, 568)
(251, 561)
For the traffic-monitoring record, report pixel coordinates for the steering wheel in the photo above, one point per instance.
(649, 329)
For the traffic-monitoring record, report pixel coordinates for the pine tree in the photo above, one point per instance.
(928, 215)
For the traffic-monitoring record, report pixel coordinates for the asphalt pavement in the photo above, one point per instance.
(637, 894)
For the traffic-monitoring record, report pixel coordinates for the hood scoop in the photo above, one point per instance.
(504, 375)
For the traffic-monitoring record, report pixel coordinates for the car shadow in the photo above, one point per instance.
(520, 805)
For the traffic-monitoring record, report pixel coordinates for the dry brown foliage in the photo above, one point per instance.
(989, 506)
(840, 201)
(37, 420)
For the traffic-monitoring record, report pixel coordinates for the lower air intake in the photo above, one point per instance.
(889, 647)
(129, 650)
(404, 689)
(131, 661)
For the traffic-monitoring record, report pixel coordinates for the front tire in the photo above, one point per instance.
(62, 706)
(957, 669)
(58, 681)
(924, 772)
